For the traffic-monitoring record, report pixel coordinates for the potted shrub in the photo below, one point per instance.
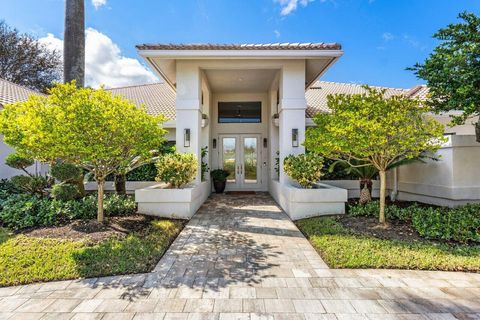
(306, 169)
(219, 177)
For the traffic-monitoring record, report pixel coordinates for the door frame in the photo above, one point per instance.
(239, 184)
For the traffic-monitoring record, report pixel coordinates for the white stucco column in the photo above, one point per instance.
(291, 111)
(188, 110)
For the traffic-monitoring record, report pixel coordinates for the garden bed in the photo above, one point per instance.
(416, 236)
(82, 249)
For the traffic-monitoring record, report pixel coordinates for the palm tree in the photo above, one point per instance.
(74, 42)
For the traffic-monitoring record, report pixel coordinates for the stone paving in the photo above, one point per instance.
(240, 257)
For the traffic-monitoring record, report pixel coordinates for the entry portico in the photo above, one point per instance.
(246, 103)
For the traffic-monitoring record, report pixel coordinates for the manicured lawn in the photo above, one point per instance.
(25, 259)
(341, 248)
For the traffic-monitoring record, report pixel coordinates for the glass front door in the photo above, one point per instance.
(240, 155)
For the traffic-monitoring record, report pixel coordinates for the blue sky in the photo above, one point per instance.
(380, 37)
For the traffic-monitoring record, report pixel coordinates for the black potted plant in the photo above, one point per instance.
(219, 177)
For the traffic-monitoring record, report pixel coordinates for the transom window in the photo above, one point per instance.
(240, 112)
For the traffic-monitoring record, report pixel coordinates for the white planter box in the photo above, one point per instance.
(172, 203)
(353, 187)
(130, 185)
(301, 203)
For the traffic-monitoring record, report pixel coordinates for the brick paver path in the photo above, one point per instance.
(240, 257)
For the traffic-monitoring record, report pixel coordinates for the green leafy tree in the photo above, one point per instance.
(27, 62)
(89, 128)
(452, 71)
(376, 130)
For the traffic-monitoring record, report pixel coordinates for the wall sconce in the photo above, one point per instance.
(295, 138)
(214, 144)
(265, 142)
(186, 138)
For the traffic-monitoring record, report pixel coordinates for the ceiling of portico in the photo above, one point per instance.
(240, 81)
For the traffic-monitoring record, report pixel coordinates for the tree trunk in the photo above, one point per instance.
(383, 190)
(100, 214)
(74, 42)
(120, 184)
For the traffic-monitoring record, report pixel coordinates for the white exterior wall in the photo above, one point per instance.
(451, 181)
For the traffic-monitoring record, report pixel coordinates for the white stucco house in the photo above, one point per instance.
(251, 103)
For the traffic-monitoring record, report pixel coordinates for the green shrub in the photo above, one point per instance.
(392, 211)
(14, 160)
(147, 172)
(118, 205)
(461, 224)
(66, 172)
(177, 169)
(65, 192)
(306, 169)
(30, 184)
(20, 211)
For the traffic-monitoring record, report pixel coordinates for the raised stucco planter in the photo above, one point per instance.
(301, 203)
(353, 187)
(130, 185)
(172, 203)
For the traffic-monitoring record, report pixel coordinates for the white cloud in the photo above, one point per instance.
(104, 63)
(98, 3)
(288, 6)
(387, 36)
(277, 33)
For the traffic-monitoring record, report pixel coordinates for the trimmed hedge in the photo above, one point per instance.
(20, 211)
(461, 224)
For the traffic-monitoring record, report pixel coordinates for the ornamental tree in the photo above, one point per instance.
(452, 71)
(375, 130)
(89, 128)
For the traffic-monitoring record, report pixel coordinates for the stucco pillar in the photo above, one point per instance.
(291, 112)
(188, 110)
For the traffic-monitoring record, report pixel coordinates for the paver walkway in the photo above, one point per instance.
(240, 257)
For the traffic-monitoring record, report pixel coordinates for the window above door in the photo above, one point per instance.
(240, 112)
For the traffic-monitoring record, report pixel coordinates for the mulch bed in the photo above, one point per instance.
(91, 230)
(393, 230)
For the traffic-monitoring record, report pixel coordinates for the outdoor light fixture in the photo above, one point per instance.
(214, 143)
(295, 138)
(186, 138)
(264, 142)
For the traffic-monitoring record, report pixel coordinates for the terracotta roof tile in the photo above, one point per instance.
(250, 46)
(419, 92)
(317, 94)
(11, 92)
(158, 98)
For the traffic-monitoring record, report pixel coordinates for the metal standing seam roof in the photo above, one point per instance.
(251, 46)
(11, 92)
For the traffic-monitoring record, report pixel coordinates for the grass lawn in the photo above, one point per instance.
(25, 259)
(341, 248)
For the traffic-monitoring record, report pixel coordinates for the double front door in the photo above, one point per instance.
(240, 155)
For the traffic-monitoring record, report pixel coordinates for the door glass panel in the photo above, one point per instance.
(250, 159)
(229, 151)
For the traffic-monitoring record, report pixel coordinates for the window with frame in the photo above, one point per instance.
(240, 112)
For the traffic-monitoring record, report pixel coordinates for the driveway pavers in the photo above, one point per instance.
(240, 257)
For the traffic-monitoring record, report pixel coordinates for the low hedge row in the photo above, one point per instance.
(460, 224)
(23, 210)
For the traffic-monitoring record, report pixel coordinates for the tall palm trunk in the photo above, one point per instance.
(74, 42)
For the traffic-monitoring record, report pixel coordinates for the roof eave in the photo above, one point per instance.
(235, 54)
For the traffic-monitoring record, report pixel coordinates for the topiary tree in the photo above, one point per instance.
(16, 161)
(177, 169)
(70, 178)
(376, 130)
(452, 71)
(89, 128)
(306, 169)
